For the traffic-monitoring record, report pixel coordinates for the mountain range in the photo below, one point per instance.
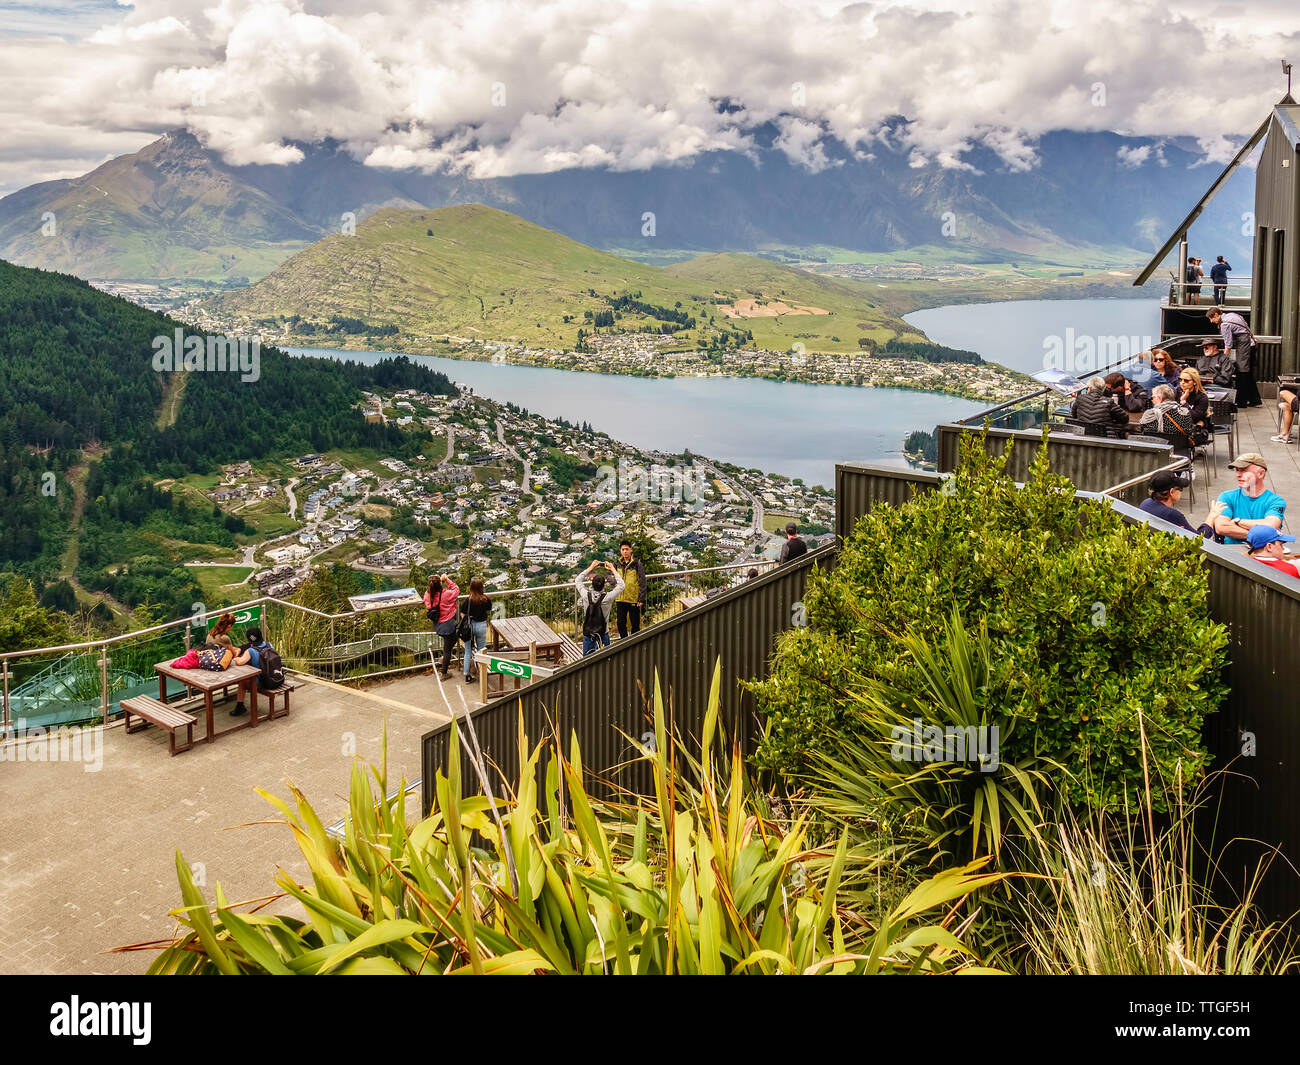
(177, 210)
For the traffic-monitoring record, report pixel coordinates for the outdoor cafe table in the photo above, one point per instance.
(518, 633)
(209, 681)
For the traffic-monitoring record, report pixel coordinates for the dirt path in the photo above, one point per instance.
(173, 389)
(72, 553)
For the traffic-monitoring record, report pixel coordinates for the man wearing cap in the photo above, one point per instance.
(1250, 503)
(1265, 545)
(1239, 341)
(1166, 488)
(1216, 366)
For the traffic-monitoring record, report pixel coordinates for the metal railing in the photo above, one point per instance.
(81, 682)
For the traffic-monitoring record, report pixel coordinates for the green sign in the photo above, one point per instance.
(513, 669)
(253, 613)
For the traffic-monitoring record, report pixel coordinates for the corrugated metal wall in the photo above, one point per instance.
(1092, 463)
(600, 697)
(861, 485)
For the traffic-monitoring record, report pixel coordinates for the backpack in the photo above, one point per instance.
(272, 667)
(594, 622)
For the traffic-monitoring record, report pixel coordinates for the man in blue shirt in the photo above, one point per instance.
(1250, 503)
(1219, 275)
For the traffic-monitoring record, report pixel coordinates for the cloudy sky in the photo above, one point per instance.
(495, 87)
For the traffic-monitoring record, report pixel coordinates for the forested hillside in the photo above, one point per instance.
(78, 389)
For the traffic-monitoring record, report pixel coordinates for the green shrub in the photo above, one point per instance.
(1099, 629)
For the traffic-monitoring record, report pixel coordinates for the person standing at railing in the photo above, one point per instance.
(440, 603)
(596, 601)
(1238, 339)
(477, 610)
(793, 547)
(1219, 275)
(1194, 274)
(630, 603)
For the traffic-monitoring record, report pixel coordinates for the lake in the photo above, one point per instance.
(783, 427)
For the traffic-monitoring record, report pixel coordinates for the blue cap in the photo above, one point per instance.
(1263, 535)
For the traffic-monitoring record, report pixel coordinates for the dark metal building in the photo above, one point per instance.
(1272, 305)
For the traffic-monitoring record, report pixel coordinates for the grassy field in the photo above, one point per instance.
(774, 520)
(477, 273)
(213, 579)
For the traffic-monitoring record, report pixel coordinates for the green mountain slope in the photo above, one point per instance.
(167, 211)
(479, 273)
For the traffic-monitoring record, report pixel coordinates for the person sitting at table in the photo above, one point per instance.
(1215, 366)
(1167, 416)
(1264, 544)
(1142, 371)
(221, 626)
(1191, 394)
(596, 602)
(1165, 366)
(1166, 488)
(251, 655)
(1129, 394)
(1097, 409)
(1250, 503)
(1288, 403)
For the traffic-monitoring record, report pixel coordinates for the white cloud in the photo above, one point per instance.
(498, 87)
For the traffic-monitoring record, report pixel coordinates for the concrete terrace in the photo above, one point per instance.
(87, 859)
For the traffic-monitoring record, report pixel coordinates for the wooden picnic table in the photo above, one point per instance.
(518, 633)
(210, 681)
(688, 601)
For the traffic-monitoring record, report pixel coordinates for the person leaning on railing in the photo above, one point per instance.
(1264, 544)
(1096, 407)
(1166, 488)
(477, 610)
(440, 603)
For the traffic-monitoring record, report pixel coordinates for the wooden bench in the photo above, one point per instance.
(285, 689)
(152, 712)
(571, 651)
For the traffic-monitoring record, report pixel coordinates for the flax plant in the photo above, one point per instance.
(697, 878)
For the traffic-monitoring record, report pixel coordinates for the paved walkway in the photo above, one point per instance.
(87, 858)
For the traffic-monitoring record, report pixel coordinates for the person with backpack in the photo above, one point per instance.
(596, 601)
(440, 600)
(261, 655)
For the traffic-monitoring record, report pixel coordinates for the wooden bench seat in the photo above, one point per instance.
(152, 712)
(571, 651)
(285, 690)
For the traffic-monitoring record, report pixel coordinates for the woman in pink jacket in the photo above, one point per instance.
(440, 602)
